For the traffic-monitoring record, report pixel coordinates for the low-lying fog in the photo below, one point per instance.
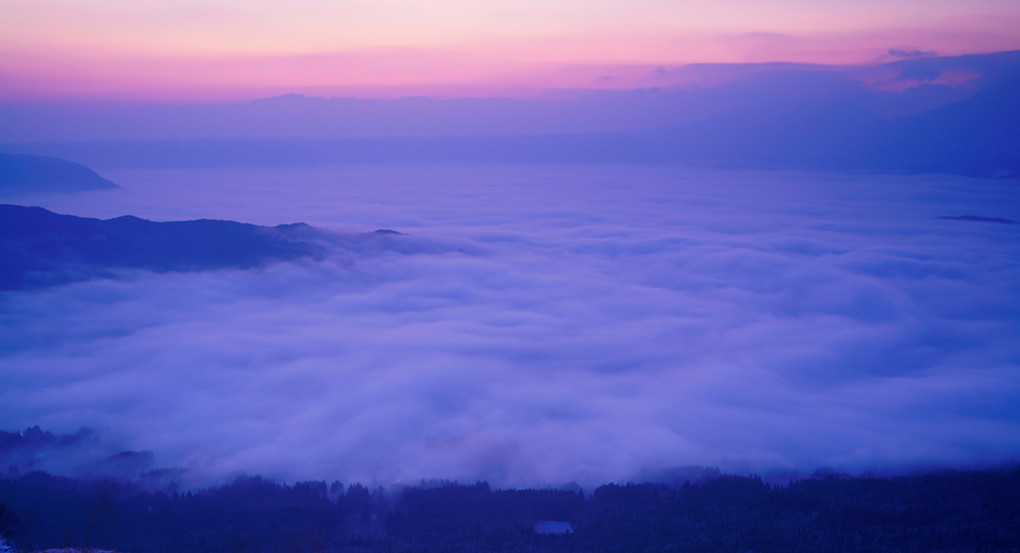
(545, 324)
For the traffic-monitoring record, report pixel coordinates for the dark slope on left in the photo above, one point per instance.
(30, 173)
(42, 248)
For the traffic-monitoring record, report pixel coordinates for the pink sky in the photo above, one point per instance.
(237, 49)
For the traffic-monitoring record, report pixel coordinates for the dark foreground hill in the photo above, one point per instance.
(42, 248)
(31, 173)
(948, 511)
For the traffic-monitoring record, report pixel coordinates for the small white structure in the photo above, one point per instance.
(553, 527)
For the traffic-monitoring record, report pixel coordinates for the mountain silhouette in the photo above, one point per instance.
(956, 115)
(32, 173)
(809, 119)
(42, 248)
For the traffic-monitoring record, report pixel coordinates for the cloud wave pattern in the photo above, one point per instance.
(561, 323)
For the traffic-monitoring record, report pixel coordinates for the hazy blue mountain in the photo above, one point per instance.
(977, 135)
(665, 103)
(42, 248)
(925, 115)
(809, 119)
(33, 173)
(297, 116)
(283, 152)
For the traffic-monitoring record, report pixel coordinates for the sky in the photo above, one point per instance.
(190, 50)
(540, 325)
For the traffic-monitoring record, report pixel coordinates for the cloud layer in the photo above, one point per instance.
(543, 325)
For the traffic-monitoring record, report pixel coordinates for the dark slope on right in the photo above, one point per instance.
(978, 136)
(807, 119)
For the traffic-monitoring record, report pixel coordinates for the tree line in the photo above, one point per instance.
(941, 511)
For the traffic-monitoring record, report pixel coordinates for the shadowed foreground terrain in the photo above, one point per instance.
(937, 511)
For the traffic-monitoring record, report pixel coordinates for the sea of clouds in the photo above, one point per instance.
(543, 324)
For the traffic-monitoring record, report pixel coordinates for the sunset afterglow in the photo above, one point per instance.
(229, 49)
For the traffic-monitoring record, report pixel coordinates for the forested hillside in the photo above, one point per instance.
(937, 511)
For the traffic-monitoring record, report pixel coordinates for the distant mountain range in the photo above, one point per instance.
(41, 248)
(813, 120)
(31, 173)
(955, 115)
